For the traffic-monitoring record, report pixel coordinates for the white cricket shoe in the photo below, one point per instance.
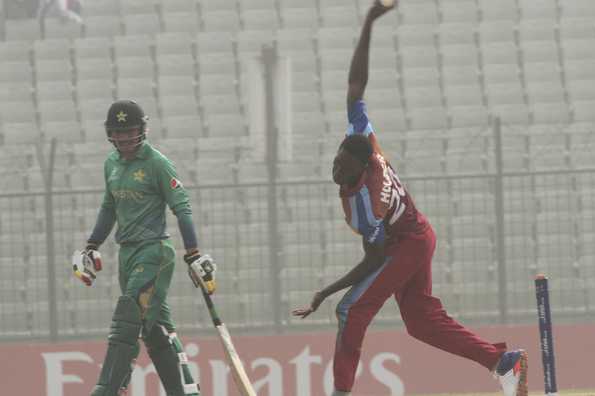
(512, 373)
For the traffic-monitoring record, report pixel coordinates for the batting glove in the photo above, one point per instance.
(201, 269)
(86, 264)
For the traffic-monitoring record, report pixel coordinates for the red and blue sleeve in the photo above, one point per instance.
(362, 218)
(359, 123)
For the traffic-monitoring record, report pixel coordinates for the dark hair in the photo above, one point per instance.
(359, 146)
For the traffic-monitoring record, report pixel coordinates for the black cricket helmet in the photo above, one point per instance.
(126, 115)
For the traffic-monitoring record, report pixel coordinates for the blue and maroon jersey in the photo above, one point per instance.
(378, 207)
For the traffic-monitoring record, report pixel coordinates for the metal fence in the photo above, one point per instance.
(495, 232)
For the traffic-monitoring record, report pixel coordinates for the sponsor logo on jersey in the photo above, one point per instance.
(114, 175)
(128, 195)
(374, 235)
(175, 183)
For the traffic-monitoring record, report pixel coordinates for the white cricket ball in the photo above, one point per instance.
(387, 3)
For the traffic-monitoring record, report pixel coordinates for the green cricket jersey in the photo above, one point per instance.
(137, 191)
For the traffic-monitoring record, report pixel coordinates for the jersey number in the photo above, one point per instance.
(398, 192)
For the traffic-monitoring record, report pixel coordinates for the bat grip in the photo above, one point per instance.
(211, 307)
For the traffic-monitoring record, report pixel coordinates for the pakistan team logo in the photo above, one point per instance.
(139, 175)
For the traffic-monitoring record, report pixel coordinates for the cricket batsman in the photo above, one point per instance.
(139, 182)
(399, 243)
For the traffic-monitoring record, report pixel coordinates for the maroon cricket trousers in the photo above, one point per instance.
(406, 274)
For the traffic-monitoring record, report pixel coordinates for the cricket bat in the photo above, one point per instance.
(235, 364)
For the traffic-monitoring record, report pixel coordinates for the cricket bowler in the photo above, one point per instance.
(139, 182)
(399, 243)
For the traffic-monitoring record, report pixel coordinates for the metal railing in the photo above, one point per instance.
(546, 225)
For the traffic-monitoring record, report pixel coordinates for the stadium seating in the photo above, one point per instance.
(538, 9)
(102, 8)
(15, 51)
(441, 72)
(25, 30)
(101, 26)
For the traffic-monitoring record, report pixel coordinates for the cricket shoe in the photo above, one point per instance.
(512, 373)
